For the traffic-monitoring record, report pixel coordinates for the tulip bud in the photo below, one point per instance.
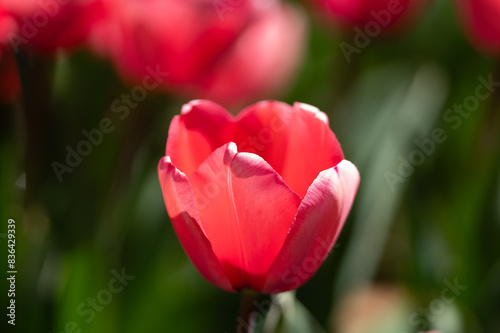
(256, 200)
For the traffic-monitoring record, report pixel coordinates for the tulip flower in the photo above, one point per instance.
(257, 200)
(50, 24)
(221, 50)
(480, 18)
(386, 14)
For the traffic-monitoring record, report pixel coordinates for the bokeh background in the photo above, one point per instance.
(420, 249)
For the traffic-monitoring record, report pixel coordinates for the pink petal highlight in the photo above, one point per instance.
(181, 207)
(315, 229)
(246, 210)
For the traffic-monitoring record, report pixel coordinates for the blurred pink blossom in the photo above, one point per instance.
(49, 24)
(233, 52)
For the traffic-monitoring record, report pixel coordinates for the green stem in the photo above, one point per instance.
(248, 317)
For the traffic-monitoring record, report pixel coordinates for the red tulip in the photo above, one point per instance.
(256, 200)
(222, 50)
(387, 14)
(49, 24)
(482, 25)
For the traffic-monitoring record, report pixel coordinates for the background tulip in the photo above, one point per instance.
(351, 13)
(480, 20)
(257, 201)
(49, 24)
(221, 50)
(273, 43)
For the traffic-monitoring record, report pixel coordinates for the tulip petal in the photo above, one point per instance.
(246, 210)
(181, 207)
(202, 127)
(296, 141)
(307, 156)
(315, 229)
(265, 123)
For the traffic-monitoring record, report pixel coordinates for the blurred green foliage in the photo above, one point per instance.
(439, 224)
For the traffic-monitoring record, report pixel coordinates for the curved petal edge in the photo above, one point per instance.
(181, 207)
(317, 224)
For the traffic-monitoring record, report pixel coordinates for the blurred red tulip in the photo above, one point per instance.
(258, 64)
(387, 14)
(482, 24)
(258, 200)
(7, 25)
(49, 24)
(222, 50)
